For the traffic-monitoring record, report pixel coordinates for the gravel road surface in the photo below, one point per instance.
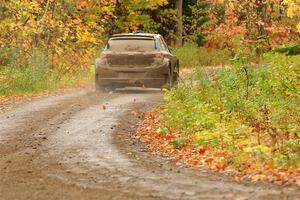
(77, 145)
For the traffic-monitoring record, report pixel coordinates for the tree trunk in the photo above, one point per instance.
(261, 15)
(225, 4)
(179, 30)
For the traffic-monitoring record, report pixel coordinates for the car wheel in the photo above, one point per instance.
(100, 88)
(97, 85)
(103, 88)
(175, 78)
(110, 89)
(168, 81)
(176, 75)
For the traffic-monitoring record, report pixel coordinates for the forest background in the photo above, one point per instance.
(45, 44)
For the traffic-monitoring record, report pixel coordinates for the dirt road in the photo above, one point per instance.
(77, 146)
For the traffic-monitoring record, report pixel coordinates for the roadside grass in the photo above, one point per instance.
(192, 56)
(37, 74)
(247, 114)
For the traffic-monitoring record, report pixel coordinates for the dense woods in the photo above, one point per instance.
(69, 29)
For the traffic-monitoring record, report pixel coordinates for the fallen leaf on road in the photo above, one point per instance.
(133, 113)
(201, 150)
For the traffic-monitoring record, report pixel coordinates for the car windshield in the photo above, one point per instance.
(136, 45)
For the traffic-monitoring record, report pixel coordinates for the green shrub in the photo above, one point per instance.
(190, 55)
(36, 73)
(252, 110)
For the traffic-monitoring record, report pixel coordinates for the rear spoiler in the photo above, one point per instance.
(132, 36)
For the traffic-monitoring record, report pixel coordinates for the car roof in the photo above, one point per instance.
(135, 34)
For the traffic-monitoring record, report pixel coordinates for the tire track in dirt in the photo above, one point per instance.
(69, 147)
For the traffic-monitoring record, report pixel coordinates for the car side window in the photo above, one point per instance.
(158, 44)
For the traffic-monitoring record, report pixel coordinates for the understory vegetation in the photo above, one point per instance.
(249, 112)
(45, 44)
(190, 55)
(37, 73)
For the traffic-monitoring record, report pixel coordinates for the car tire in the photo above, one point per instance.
(103, 88)
(110, 89)
(175, 78)
(176, 75)
(99, 88)
(168, 81)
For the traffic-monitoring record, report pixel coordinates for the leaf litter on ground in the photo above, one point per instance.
(174, 144)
